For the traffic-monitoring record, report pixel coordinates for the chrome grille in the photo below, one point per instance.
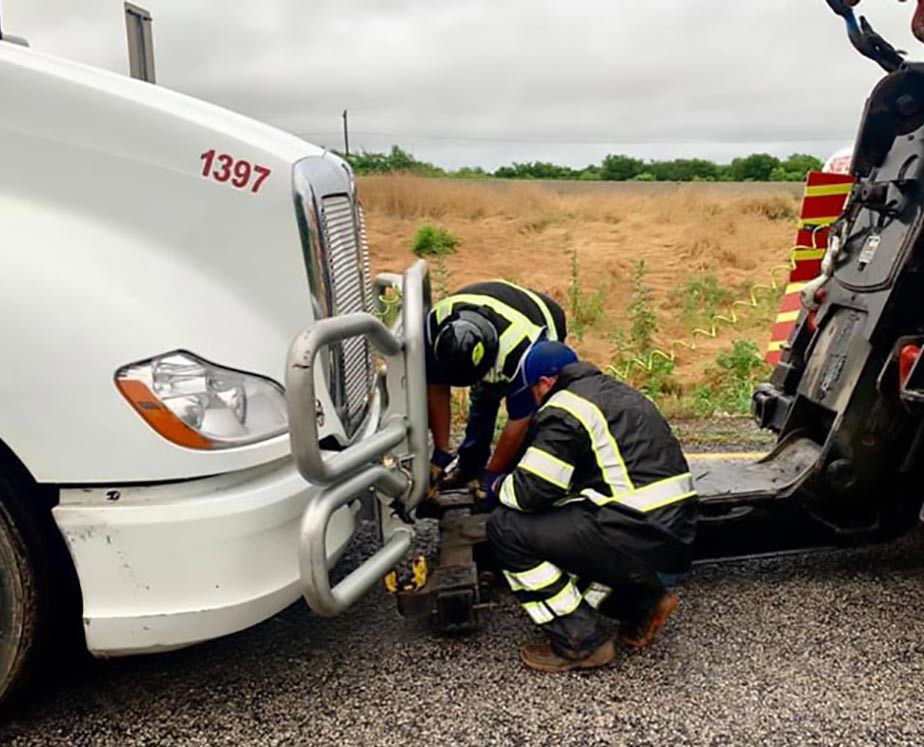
(350, 292)
(369, 301)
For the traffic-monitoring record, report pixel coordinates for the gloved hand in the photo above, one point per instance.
(486, 492)
(439, 461)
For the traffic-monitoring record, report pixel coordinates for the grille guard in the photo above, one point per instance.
(401, 437)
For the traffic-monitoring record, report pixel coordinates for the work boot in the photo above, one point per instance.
(539, 655)
(642, 634)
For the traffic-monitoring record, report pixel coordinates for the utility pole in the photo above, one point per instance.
(346, 133)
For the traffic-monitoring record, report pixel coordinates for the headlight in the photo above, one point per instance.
(197, 404)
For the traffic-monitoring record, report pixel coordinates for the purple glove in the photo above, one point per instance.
(488, 486)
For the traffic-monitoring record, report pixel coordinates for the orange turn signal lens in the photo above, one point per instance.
(159, 417)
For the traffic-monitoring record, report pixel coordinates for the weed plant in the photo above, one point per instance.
(436, 243)
(585, 309)
(731, 380)
(703, 298)
(656, 379)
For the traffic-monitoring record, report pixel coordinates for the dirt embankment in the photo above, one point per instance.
(527, 233)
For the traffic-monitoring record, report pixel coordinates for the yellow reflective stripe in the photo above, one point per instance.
(794, 288)
(661, 493)
(609, 459)
(596, 496)
(655, 505)
(511, 337)
(824, 190)
(536, 299)
(547, 466)
(508, 494)
(520, 327)
(444, 308)
(803, 254)
(787, 316)
(535, 579)
(651, 497)
(566, 601)
(512, 580)
(538, 612)
(776, 345)
(596, 594)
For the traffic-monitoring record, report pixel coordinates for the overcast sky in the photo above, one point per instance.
(487, 82)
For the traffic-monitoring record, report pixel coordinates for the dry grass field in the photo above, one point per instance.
(689, 237)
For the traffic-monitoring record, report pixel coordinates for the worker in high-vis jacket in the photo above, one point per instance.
(598, 515)
(477, 337)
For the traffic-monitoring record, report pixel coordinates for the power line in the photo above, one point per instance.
(533, 141)
(460, 138)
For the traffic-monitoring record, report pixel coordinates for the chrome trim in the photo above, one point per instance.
(336, 259)
(309, 229)
(347, 281)
(368, 291)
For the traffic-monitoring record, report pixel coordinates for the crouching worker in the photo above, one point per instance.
(598, 513)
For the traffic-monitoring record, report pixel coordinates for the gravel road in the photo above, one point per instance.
(825, 648)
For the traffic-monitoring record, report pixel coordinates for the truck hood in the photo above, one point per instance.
(118, 245)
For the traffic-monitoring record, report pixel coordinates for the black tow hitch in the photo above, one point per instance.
(455, 592)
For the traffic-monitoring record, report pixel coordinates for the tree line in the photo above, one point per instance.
(757, 167)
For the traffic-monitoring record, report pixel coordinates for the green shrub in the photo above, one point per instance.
(660, 381)
(703, 298)
(756, 167)
(395, 161)
(731, 380)
(437, 243)
(621, 168)
(434, 241)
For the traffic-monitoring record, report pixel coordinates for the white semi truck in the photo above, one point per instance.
(158, 256)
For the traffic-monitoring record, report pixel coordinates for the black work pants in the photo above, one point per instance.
(564, 562)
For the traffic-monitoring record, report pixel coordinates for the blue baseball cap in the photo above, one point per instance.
(546, 358)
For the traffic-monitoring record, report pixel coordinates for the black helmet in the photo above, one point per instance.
(465, 348)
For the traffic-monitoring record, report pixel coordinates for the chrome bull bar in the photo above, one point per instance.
(401, 436)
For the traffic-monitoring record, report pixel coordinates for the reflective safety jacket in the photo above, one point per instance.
(518, 314)
(597, 439)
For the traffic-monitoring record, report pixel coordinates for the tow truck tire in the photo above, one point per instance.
(26, 552)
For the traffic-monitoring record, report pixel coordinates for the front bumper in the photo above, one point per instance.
(170, 565)
(390, 462)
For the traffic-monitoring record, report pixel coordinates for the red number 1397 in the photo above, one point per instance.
(239, 172)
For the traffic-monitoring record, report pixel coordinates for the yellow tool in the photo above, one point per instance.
(413, 581)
